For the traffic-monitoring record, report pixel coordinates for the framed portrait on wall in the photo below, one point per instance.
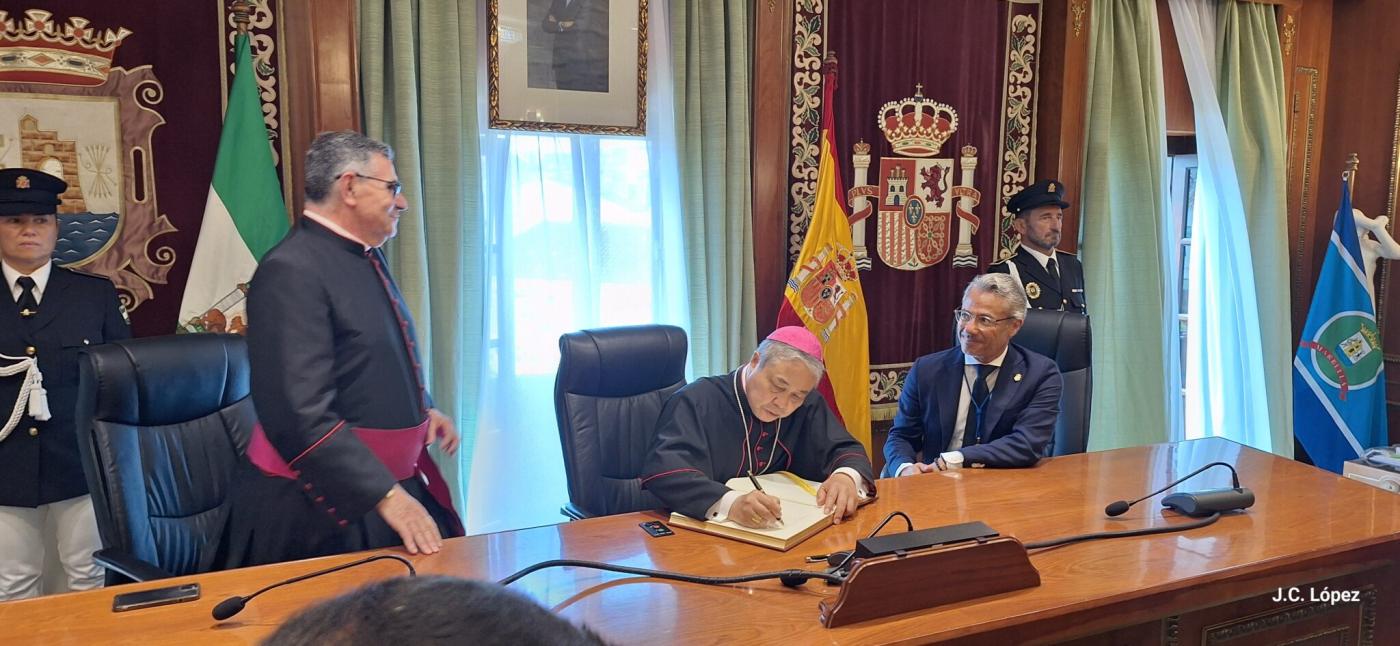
(568, 65)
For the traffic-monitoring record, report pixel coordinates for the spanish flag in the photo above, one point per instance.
(823, 292)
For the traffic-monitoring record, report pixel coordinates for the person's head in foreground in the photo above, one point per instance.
(428, 610)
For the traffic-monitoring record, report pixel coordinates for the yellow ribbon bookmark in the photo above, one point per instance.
(806, 486)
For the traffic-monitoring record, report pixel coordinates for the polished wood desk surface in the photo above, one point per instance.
(1302, 515)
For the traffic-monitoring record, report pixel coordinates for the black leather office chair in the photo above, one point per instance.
(162, 423)
(1066, 338)
(609, 391)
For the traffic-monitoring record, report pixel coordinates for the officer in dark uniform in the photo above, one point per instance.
(47, 315)
(1053, 279)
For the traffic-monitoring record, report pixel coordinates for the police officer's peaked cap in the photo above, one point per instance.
(1042, 193)
(29, 192)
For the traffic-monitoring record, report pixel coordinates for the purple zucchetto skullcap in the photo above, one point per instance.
(798, 337)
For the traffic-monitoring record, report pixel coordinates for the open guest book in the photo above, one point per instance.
(801, 516)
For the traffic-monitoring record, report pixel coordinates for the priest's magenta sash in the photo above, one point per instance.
(402, 450)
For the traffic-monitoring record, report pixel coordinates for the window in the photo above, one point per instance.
(1182, 192)
(582, 231)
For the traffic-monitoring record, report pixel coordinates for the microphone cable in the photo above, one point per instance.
(908, 522)
(1142, 531)
(788, 577)
(235, 604)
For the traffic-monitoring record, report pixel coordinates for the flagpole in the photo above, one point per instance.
(242, 15)
(1349, 174)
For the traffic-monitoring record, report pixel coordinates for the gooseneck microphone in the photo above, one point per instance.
(1195, 504)
(234, 605)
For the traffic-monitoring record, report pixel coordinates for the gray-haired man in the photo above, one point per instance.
(982, 402)
(766, 416)
(338, 463)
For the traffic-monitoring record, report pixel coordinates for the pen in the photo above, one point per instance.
(759, 487)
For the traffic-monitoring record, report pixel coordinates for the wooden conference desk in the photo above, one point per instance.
(1309, 529)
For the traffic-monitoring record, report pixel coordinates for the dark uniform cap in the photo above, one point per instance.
(1042, 193)
(29, 192)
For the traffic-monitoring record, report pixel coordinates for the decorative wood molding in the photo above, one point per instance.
(1366, 621)
(1171, 630)
(1307, 154)
(1077, 8)
(1392, 195)
(321, 57)
(772, 101)
(1290, 30)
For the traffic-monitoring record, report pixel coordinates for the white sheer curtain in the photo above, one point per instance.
(1225, 393)
(581, 231)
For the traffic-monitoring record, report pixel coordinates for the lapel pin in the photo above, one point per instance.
(1016, 377)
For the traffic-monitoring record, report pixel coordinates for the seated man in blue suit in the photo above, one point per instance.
(984, 402)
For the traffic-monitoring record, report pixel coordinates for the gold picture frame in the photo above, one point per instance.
(567, 65)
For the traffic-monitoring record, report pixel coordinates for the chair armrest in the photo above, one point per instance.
(573, 512)
(129, 566)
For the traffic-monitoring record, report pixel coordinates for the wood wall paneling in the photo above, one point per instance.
(772, 105)
(1181, 115)
(322, 59)
(1059, 148)
(1306, 31)
(1361, 84)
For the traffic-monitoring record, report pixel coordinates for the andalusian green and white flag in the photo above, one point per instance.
(244, 216)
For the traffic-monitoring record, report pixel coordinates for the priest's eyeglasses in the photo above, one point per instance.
(394, 186)
(964, 317)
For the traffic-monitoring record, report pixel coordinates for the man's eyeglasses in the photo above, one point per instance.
(964, 317)
(393, 185)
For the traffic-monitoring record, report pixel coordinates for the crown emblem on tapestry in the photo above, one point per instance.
(917, 126)
(37, 49)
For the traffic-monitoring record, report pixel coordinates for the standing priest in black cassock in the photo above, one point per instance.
(48, 314)
(767, 416)
(1052, 279)
(339, 461)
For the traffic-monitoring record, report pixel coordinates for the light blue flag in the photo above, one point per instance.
(1338, 374)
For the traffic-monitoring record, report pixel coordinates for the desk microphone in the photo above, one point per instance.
(234, 605)
(1200, 503)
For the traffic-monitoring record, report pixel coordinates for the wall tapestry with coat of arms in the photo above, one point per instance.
(124, 101)
(935, 127)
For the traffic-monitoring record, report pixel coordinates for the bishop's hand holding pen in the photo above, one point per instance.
(756, 509)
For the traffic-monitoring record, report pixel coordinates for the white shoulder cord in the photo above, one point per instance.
(31, 393)
(743, 419)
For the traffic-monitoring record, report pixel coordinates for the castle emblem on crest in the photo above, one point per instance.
(66, 110)
(915, 194)
(820, 285)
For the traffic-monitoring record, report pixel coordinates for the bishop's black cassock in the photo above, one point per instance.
(333, 353)
(700, 444)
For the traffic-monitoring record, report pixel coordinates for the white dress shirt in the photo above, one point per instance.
(40, 276)
(1039, 257)
(965, 402)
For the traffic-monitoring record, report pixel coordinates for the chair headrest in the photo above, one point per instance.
(155, 381)
(621, 361)
(1062, 336)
